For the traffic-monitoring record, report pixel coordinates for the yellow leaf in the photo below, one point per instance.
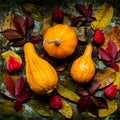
(117, 80)
(7, 54)
(66, 110)
(103, 16)
(112, 107)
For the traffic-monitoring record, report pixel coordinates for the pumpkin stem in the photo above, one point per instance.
(57, 42)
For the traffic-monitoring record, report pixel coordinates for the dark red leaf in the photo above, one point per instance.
(19, 86)
(24, 96)
(6, 97)
(104, 54)
(93, 88)
(82, 103)
(112, 49)
(83, 93)
(10, 85)
(115, 66)
(18, 105)
(76, 20)
(92, 108)
(29, 23)
(81, 8)
(92, 18)
(11, 34)
(19, 23)
(35, 39)
(90, 10)
(100, 102)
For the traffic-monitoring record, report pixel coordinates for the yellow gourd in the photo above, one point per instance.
(41, 76)
(83, 68)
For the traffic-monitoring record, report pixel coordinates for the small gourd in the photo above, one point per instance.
(41, 76)
(60, 41)
(83, 68)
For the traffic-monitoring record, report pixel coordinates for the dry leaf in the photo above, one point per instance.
(114, 35)
(117, 80)
(41, 107)
(112, 107)
(8, 22)
(104, 77)
(103, 16)
(66, 93)
(66, 110)
(47, 23)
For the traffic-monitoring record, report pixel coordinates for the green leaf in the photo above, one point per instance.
(66, 93)
(8, 108)
(33, 9)
(66, 110)
(41, 107)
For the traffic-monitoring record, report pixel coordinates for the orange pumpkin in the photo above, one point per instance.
(60, 41)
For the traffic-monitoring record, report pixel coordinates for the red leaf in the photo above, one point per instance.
(35, 39)
(18, 105)
(104, 54)
(92, 108)
(76, 20)
(11, 34)
(10, 85)
(19, 23)
(24, 96)
(115, 66)
(6, 97)
(82, 103)
(29, 23)
(81, 8)
(19, 86)
(83, 93)
(112, 49)
(93, 88)
(90, 10)
(92, 18)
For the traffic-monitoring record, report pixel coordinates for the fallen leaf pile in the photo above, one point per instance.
(17, 30)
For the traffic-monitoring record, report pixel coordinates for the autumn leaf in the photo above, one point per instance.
(66, 93)
(103, 16)
(117, 80)
(8, 108)
(109, 56)
(66, 110)
(90, 102)
(105, 77)
(112, 107)
(41, 107)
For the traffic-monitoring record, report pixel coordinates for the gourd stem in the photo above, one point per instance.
(28, 36)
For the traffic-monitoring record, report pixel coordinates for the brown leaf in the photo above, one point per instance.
(66, 93)
(8, 22)
(41, 107)
(11, 34)
(112, 34)
(66, 110)
(47, 23)
(105, 77)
